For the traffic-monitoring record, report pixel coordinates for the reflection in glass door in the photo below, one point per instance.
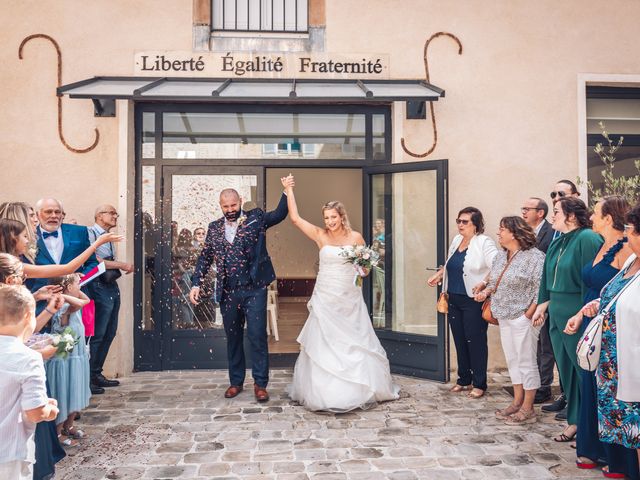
(194, 335)
(407, 229)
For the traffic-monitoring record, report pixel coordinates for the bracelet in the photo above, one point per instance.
(49, 311)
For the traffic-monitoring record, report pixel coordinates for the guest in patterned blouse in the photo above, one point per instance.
(562, 291)
(608, 220)
(617, 375)
(519, 268)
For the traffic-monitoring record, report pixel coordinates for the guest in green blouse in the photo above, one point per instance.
(562, 292)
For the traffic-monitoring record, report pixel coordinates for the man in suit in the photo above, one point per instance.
(58, 242)
(534, 212)
(237, 244)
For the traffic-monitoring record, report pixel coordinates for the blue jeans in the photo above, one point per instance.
(250, 305)
(106, 296)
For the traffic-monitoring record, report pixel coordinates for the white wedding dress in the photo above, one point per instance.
(342, 365)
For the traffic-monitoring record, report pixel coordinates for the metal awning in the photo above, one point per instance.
(266, 90)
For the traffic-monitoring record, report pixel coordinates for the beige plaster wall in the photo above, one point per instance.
(508, 125)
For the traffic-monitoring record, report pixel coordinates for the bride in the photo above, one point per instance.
(342, 365)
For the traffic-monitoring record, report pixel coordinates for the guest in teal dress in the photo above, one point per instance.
(69, 377)
(562, 293)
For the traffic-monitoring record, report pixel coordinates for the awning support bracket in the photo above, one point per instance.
(104, 107)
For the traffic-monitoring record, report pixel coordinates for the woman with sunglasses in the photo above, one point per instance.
(470, 257)
(561, 294)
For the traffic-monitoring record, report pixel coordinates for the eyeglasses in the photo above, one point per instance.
(52, 212)
(459, 221)
(628, 227)
(526, 209)
(113, 214)
(557, 194)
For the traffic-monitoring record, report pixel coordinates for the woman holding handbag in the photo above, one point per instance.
(617, 374)
(471, 254)
(513, 288)
(608, 220)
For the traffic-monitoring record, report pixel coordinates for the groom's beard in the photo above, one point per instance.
(232, 216)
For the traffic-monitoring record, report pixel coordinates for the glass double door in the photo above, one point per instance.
(403, 218)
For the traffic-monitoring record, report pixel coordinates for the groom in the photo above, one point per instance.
(237, 244)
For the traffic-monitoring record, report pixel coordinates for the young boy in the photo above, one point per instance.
(23, 394)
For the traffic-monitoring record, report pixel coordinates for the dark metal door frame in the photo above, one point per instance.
(175, 340)
(409, 344)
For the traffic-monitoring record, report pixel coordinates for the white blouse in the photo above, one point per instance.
(477, 263)
(628, 340)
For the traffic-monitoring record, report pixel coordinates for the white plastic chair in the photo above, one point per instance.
(272, 312)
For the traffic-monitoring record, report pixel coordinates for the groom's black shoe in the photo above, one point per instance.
(232, 391)
(261, 393)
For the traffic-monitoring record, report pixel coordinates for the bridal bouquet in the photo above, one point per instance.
(64, 341)
(363, 258)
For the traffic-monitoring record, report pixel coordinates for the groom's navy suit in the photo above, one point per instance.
(244, 270)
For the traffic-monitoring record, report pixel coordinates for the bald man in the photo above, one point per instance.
(237, 244)
(58, 242)
(106, 296)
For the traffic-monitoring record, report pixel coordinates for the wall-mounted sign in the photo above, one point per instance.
(262, 65)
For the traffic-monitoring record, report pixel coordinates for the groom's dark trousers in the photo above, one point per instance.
(239, 306)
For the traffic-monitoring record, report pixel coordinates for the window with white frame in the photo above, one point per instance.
(280, 16)
(618, 108)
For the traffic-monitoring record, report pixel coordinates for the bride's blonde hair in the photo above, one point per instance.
(338, 207)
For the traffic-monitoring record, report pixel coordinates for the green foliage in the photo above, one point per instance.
(628, 187)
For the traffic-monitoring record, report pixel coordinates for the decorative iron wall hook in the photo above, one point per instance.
(60, 134)
(433, 115)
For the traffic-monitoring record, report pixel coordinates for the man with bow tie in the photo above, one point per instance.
(59, 242)
(237, 244)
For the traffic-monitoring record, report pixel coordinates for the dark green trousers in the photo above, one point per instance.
(563, 306)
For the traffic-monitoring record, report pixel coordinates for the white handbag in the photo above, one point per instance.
(588, 349)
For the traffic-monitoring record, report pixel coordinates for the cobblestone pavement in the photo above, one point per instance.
(178, 425)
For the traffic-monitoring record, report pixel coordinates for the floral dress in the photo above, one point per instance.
(618, 421)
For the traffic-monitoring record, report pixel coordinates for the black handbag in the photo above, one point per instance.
(110, 275)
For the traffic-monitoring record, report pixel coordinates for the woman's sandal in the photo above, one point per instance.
(67, 441)
(522, 418)
(563, 437)
(460, 388)
(475, 393)
(73, 432)
(506, 412)
(584, 463)
(608, 474)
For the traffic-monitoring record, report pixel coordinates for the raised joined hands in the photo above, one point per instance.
(288, 182)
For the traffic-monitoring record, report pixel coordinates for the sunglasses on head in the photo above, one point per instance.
(557, 194)
(460, 221)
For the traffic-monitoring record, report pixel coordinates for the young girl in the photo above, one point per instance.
(69, 377)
